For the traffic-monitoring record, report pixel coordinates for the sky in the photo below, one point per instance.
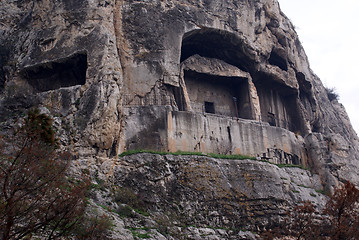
(329, 32)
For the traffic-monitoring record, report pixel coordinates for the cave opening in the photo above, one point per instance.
(278, 61)
(65, 72)
(278, 104)
(215, 43)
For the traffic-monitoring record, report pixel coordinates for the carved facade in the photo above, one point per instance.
(222, 103)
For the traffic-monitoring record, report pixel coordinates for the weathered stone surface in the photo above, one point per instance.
(45, 39)
(205, 198)
(211, 76)
(213, 66)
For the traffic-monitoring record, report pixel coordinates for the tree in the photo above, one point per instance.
(342, 210)
(339, 220)
(304, 224)
(36, 196)
(301, 223)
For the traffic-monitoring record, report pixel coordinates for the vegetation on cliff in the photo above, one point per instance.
(338, 220)
(36, 195)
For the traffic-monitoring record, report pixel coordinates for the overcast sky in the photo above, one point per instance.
(329, 32)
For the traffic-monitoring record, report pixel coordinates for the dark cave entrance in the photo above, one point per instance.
(279, 106)
(215, 43)
(66, 72)
(276, 60)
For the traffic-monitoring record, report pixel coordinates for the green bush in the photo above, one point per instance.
(136, 234)
(93, 227)
(283, 165)
(332, 94)
(124, 211)
(127, 196)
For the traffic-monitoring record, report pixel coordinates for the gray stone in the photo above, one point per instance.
(228, 77)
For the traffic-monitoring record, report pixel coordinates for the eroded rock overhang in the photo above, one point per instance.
(61, 73)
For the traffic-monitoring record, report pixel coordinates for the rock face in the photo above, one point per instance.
(228, 77)
(198, 197)
(231, 193)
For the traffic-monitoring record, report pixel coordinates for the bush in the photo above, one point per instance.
(343, 212)
(127, 196)
(332, 94)
(93, 227)
(339, 219)
(124, 211)
(36, 197)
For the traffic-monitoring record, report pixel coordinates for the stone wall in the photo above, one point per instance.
(161, 129)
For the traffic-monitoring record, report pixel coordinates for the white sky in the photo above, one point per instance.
(329, 32)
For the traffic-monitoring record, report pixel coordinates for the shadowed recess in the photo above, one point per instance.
(214, 43)
(278, 61)
(66, 72)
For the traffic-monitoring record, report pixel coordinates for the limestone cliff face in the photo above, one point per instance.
(210, 76)
(199, 197)
(63, 55)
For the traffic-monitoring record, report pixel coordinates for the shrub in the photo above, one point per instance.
(124, 211)
(332, 94)
(36, 196)
(127, 196)
(93, 227)
(339, 219)
(342, 210)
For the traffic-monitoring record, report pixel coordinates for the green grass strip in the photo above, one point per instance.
(139, 235)
(131, 152)
(234, 157)
(321, 191)
(184, 153)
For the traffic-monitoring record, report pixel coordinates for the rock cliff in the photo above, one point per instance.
(199, 197)
(226, 77)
